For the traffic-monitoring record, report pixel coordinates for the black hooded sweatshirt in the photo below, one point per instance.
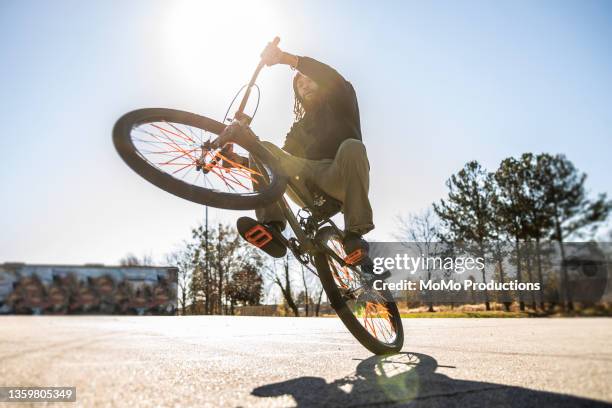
(319, 134)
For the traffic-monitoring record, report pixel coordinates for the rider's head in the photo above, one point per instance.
(307, 95)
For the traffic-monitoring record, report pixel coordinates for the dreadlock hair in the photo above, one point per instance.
(298, 106)
(298, 109)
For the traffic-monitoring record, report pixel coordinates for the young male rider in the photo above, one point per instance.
(324, 147)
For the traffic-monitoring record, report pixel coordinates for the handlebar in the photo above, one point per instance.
(239, 115)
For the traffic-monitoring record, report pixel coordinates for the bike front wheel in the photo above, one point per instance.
(172, 149)
(370, 315)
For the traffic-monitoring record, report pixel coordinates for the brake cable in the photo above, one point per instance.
(236, 96)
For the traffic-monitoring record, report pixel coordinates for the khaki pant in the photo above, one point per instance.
(345, 178)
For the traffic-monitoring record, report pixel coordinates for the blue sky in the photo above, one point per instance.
(439, 83)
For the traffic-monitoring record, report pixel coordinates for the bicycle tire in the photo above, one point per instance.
(347, 317)
(124, 145)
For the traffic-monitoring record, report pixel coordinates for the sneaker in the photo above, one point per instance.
(277, 226)
(356, 248)
(267, 237)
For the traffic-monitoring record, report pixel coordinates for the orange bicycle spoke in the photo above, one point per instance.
(172, 142)
(167, 151)
(367, 322)
(153, 142)
(234, 171)
(210, 166)
(238, 165)
(237, 172)
(347, 273)
(181, 156)
(213, 163)
(339, 279)
(334, 265)
(381, 312)
(173, 164)
(385, 328)
(180, 131)
(171, 132)
(176, 171)
(220, 176)
(225, 180)
(340, 251)
(236, 180)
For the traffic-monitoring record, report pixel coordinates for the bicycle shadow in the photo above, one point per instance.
(409, 379)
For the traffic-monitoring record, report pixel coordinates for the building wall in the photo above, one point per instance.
(73, 289)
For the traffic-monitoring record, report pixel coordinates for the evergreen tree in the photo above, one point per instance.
(468, 211)
(510, 203)
(572, 211)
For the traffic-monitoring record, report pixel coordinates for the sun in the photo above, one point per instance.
(216, 38)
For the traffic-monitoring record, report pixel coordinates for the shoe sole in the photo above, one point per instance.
(257, 234)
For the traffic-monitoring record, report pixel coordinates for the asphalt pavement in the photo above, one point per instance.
(308, 362)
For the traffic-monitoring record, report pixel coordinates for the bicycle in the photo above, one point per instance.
(175, 151)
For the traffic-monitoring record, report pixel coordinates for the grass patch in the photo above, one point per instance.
(451, 314)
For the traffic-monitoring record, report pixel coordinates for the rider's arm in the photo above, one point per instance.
(289, 59)
(340, 92)
(324, 75)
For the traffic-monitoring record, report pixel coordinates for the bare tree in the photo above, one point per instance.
(313, 292)
(182, 260)
(132, 260)
(318, 304)
(282, 277)
(213, 259)
(422, 230)
(245, 287)
(306, 296)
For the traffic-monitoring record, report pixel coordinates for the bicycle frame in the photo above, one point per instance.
(307, 244)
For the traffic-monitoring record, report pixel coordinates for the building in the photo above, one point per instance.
(89, 288)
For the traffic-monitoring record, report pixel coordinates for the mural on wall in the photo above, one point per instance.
(54, 289)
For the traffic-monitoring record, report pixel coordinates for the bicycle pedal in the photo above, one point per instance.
(355, 257)
(258, 236)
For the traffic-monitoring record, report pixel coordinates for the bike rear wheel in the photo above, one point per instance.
(370, 315)
(171, 149)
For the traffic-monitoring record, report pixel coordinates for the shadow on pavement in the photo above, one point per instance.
(409, 379)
